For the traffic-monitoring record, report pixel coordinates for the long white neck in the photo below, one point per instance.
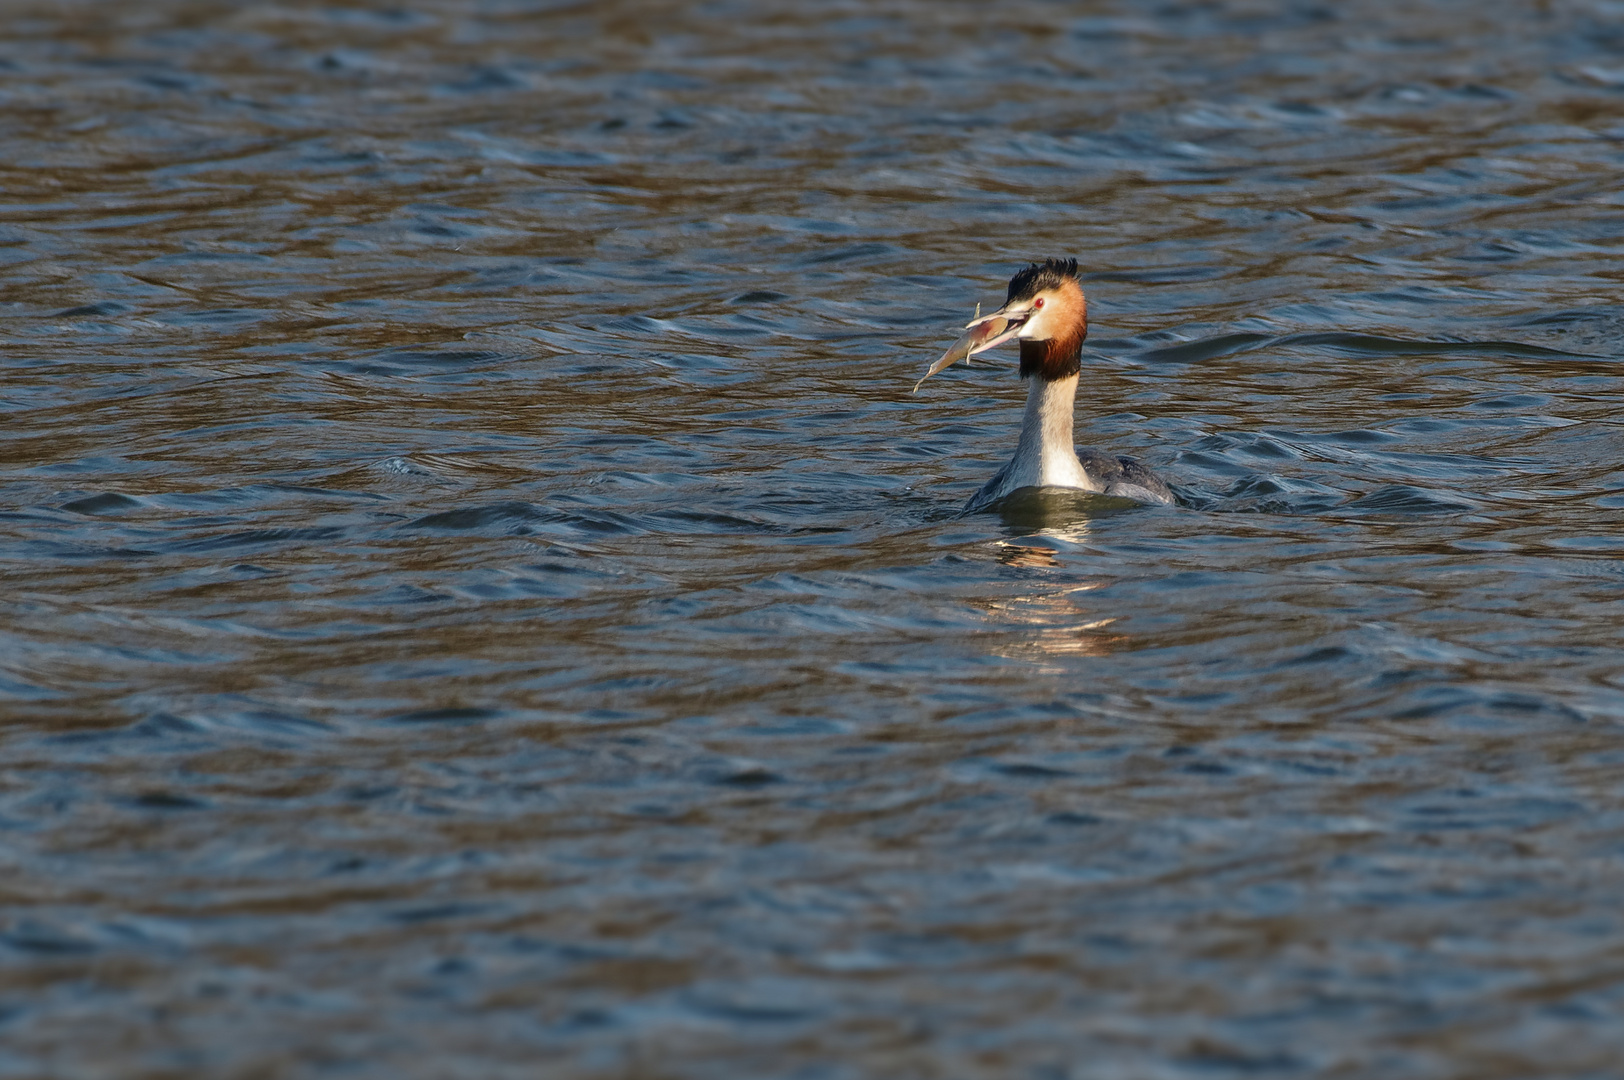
(1046, 455)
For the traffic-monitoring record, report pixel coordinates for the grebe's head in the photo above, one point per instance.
(1045, 311)
(1046, 302)
(1047, 308)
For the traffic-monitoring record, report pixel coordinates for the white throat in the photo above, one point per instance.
(1046, 456)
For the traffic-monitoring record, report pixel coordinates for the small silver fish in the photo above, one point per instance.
(981, 334)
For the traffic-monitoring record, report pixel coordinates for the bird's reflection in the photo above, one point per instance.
(1049, 508)
(1051, 617)
(1027, 556)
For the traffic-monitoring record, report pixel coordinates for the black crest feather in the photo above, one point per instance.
(1047, 274)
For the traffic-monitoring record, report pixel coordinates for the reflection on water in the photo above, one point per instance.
(1054, 617)
(1035, 556)
(1062, 513)
(1051, 622)
(478, 597)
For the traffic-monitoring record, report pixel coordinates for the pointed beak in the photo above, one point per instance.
(981, 334)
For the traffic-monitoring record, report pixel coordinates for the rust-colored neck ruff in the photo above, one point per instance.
(1057, 358)
(1060, 356)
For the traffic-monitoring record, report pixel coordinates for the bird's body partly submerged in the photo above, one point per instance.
(1047, 312)
(1045, 456)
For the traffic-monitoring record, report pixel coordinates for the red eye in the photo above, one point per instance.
(1037, 303)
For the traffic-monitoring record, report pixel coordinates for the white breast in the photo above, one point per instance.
(1046, 455)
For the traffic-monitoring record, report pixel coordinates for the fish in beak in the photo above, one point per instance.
(982, 333)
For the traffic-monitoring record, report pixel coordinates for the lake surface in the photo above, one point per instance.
(478, 598)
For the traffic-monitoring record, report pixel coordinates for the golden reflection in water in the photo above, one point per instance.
(1052, 619)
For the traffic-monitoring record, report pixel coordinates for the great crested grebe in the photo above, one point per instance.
(1047, 312)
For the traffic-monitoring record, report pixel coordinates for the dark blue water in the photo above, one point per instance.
(478, 599)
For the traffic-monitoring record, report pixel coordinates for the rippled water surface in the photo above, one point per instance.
(478, 599)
